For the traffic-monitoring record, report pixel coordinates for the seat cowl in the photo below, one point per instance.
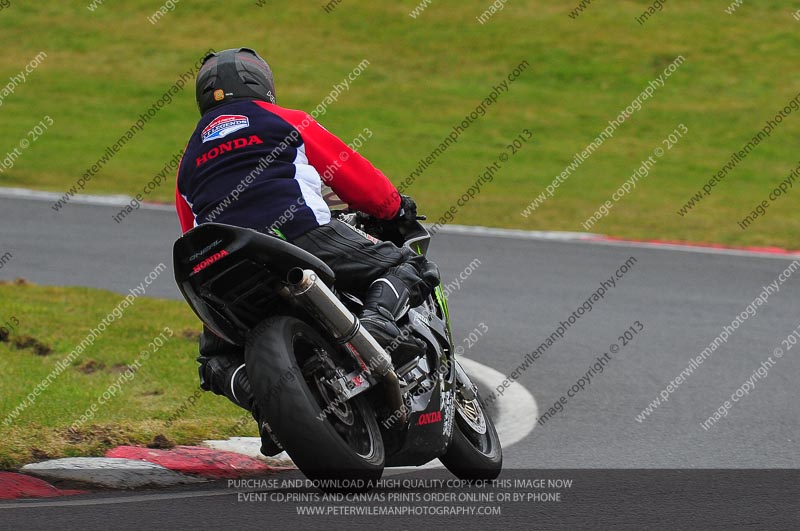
(208, 239)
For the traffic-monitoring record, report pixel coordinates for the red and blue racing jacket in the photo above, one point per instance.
(256, 165)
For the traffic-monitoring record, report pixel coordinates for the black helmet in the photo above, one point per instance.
(238, 73)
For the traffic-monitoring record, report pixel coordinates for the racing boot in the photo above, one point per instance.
(224, 374)
(386, 301)
(270, 446)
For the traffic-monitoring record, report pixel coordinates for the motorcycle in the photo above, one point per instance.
(329, 394)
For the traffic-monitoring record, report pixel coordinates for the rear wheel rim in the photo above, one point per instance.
(346, 418)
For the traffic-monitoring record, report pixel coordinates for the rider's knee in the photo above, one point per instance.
(420, 277)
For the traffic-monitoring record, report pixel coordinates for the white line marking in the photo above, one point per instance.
(792, 255)
(596, 239)
(518, 234)
(83, 199)
(517, 407)
(114, 501)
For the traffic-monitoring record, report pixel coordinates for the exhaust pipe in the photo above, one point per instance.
(316, 298)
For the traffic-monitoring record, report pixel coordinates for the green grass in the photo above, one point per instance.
(140, 411)
(425, 74)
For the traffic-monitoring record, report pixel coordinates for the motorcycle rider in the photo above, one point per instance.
(253, 164)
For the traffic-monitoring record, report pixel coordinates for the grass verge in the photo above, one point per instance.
(149, 405)
(425, 74)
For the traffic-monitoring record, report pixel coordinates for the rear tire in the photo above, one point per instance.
(344, 444)
(475, 452)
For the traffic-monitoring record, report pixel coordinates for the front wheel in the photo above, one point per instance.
(287, 362)
(475, 452)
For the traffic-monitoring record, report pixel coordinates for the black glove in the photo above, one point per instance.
(407, 211)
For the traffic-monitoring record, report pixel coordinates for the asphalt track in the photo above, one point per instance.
(521, 289)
